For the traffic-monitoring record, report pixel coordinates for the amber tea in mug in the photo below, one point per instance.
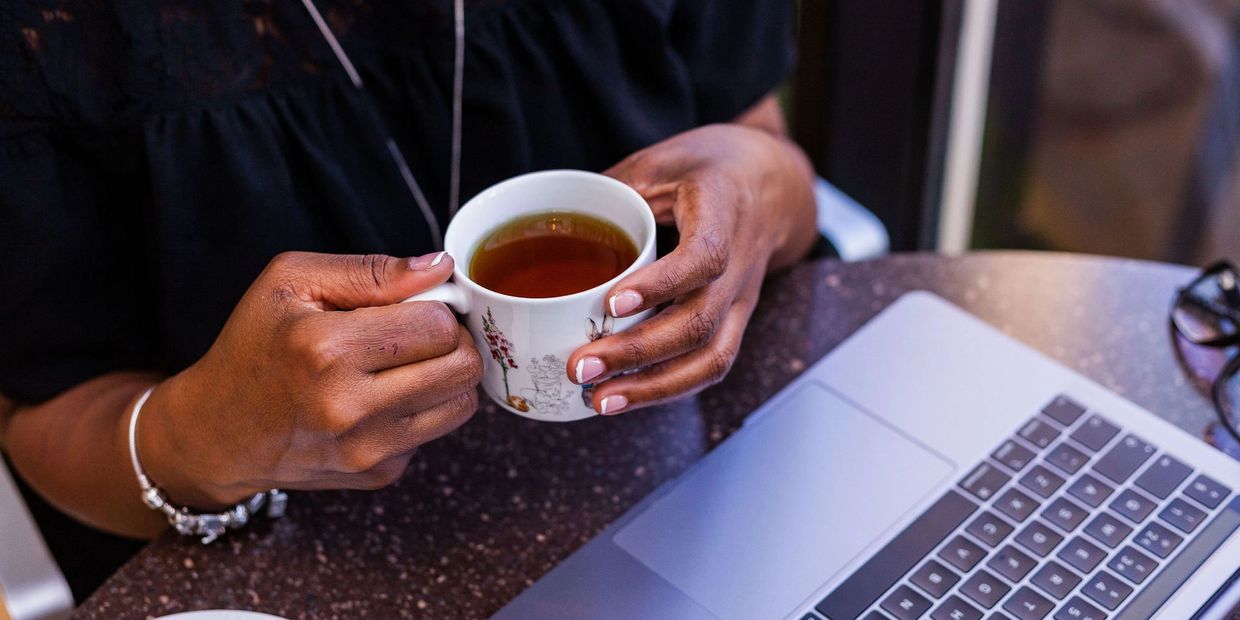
(551, 254)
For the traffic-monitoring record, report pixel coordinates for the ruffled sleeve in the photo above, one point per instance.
(736, 52)
(72, 300)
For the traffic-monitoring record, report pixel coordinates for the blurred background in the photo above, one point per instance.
(1098, 126)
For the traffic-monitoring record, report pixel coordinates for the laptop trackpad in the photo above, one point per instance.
(770, 516)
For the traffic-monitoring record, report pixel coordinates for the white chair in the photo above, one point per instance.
(856, 233)
(31, 585)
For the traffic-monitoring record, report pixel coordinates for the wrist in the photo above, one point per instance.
(798, 204)
(175, 458)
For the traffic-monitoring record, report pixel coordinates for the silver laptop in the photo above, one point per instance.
(929, 467)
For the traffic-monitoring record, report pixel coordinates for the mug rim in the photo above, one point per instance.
(459, 269)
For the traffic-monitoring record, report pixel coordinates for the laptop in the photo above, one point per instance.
(929, 467)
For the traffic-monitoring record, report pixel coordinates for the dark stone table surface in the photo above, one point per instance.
(487, 510)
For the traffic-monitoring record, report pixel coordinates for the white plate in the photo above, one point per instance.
(221, 614)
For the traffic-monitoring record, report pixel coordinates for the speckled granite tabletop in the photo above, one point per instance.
(482, 513)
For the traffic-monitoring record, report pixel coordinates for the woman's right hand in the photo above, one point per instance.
(319, 380)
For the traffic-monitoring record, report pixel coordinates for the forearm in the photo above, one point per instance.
(73, 449)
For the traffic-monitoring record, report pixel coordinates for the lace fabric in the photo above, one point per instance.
(99, 61)
(155, 156)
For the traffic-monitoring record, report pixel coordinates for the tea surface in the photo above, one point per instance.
(551, 254)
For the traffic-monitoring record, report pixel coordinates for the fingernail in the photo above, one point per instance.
(624, 302)
(426, 261)
(588, 368)
(613, 404)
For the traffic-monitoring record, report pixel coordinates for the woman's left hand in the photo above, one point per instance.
(742, 201)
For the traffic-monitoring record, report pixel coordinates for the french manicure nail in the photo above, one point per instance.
(426, 261)
(588, 368)
(625, 302)
(613, 404)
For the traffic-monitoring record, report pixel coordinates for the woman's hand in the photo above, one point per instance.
(742, 201)
(320, 379)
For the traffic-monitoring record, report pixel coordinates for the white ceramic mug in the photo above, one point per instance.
(524, 342)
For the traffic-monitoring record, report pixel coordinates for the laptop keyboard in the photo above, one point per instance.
(1071, 518)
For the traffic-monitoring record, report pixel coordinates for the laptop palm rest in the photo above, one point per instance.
(763, 513)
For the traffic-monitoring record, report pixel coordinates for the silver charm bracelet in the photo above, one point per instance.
(209, 526)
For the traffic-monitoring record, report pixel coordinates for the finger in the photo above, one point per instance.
(679, 377)
(404, 390)
(382, 439)
(349, 281)
(701, 257)
(688, 325)
(383, 337)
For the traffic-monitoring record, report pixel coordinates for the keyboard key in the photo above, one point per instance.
(989, 529)
(934, 578)
(1013, 455)
(1078, 609)
(1108, 530)
(1081, 554)
(1041, 481)
(1095, 432)
(1133, 565)
(954, 608)
(1090, 490)
(984, 588)
(1159, 540)
(1055, 580)
(895, 559)
(1156, 591)
(1063, 410)
(984, 481)
(1012, 563)
(1124, 458)
(962, 553)
(1163, 476)
(1039, 433)
(1182, 515)
(905, 604)
(1069, 460)
(1107, 590)
(1016, 505)
(1207, 491)
(997, 616)
(873, 615)
(1038, 538)
(1132, 506)
(1028, 605)
(1064, 514)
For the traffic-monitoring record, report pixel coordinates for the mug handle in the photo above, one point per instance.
(452, 294)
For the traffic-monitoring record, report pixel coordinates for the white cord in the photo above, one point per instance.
(418, 196)
(458, 90)
(333, 43)
(133, 435)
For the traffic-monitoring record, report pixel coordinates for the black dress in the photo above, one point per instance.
(154, 156)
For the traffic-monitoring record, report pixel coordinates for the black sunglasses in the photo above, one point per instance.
(1206, 313)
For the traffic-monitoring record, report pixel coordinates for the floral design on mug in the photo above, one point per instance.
(501, 352)
(548, 395)
(593, 332)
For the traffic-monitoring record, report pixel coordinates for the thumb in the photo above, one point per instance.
(350, 281)
(655, 175)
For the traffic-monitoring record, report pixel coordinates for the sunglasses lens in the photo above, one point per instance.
(1206, 311)
(1198, 323)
